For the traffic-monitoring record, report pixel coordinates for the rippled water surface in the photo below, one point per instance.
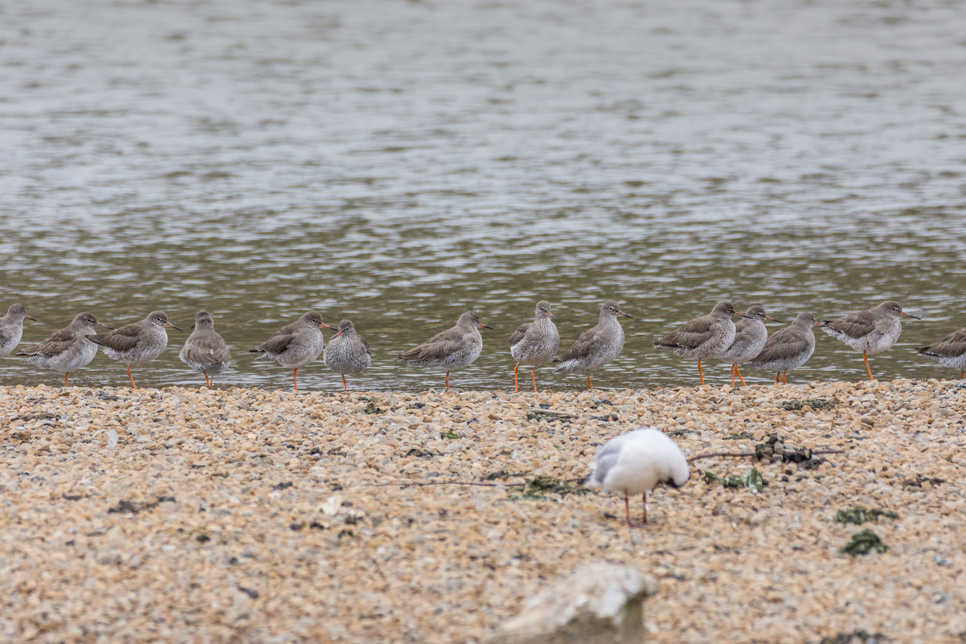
(399, 162)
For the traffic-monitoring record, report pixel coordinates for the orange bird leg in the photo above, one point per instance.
(778, 377)
(589, 383)
(700, 374)
(962, 374)
(867, 368)
(131, 377)
(784, 377)
(533, 377)
(516, 386)
(627, 509)
(732, 376)
(447, 381)
(345, 385)
(66, 373)
(295, 377)
(644, 502)
(739, 378)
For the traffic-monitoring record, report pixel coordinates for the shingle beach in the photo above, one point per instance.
(242, 515)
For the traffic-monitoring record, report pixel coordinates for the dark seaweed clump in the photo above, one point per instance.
(858, 516)
(863, 543)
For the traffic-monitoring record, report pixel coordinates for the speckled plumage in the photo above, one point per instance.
(871, 331)
(597, 346)
(138, 343)
(635, 462)
(67, 349)
(295, 345)
(535, 343)
(949, 352)
(707, 336)
(11, 328)
(205, 350)
(451, 349)
(788, 348)
(347, 353)
(750, 338)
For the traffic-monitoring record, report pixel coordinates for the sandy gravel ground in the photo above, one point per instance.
(253, 516)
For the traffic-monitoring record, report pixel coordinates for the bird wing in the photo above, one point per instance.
(951, 346)
(57, 343)
(689, 335)
(365, 343)
(5, 335)
(438, 347)
(518, 334)
(586, 344)
(781, 345)
(435, 349)
(123, 339)
(856, 325)
(208, 351)
(742, 328)
(279, 342)
(606, 458)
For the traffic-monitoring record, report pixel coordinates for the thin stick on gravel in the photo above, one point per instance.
(431, 483)
(553, 412)
(742, 454)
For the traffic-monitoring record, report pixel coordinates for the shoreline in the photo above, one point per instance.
(245, 514)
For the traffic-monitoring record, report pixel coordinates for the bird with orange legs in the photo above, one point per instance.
(596, 347)
(871, 331)
(787, 348)
(295, 345)
(534, 343)
(206, 351)
(138, 343)
(451, 349)
(67, 349)
(347, 353)
(750, 338)
(703, 337)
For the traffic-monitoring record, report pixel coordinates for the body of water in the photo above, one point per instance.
(397, 163)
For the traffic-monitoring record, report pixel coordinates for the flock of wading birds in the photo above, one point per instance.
(347, 353)
(632, 463)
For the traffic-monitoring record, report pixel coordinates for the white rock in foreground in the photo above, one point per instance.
(600, 603)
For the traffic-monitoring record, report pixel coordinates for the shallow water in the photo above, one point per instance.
(397, 163)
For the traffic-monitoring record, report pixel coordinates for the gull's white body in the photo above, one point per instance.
(635, 462)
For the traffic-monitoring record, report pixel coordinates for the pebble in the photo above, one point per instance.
(264, 516)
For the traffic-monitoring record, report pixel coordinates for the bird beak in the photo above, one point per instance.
(483, 326)
(550, 315)
(337, 335)
(625, 315)
(323, 325)
(169, 325)
(914, 317)
(818, 324)
(774, 320)
(192, 326)
(740, 315)
(29, 317)
(104, 326)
